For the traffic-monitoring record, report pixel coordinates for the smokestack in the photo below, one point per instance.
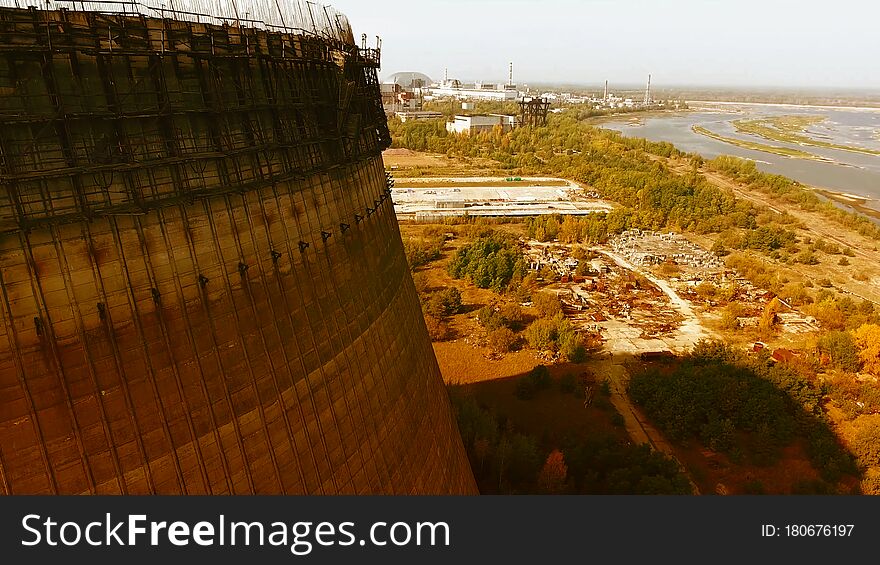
(606, 90)
(648, 91)
(445, 74)
(510, 75)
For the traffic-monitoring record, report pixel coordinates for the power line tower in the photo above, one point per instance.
(533, 111)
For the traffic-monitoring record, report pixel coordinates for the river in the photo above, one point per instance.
(850, 173)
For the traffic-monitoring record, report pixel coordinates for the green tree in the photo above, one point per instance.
(841, 348)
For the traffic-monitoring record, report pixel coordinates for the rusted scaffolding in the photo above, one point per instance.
(533, 111)
(120, 113)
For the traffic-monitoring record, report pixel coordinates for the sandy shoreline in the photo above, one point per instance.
(856, 202)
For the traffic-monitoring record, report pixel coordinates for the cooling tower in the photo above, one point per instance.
(204, 288)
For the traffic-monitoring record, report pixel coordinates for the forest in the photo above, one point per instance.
(506, 460)
(747, 407)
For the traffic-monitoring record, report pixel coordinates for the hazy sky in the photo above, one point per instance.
(788, 43)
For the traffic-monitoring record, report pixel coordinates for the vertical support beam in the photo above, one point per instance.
(59, 121)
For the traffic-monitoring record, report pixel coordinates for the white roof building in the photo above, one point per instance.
(477, 91)
(481, 123)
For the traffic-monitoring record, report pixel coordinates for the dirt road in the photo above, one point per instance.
(636, 423)
(688, 333)
(691, 330)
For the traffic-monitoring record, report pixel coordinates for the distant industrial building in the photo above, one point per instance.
(409, 80)
(418, 115)
(478, 123)
(404, 92)
(396, 99)
(477, 91)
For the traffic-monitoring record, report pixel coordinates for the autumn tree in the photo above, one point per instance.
(866, 443)
(551, 479)
(730, 316)
(512, 315)
(868, 341)
(769, 319)
(443, 303)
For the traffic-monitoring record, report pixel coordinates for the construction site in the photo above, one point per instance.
(203, 284)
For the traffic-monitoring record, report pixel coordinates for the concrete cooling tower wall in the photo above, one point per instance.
(202, 282)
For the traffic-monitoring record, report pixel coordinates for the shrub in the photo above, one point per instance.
(525, 389)
(807, 258)
(555, 334)
(542, 333)
(730, 316)
(706, 290)
(866, 443)
(512, 315)
(547, 304)
(718, 249)
(501, 340)
(571, 348)
(508, 316)
(438, 330)
(421, 282)
(540, 377)
(422, 251)
(443, 303)
(568, 384)
(489, 318)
